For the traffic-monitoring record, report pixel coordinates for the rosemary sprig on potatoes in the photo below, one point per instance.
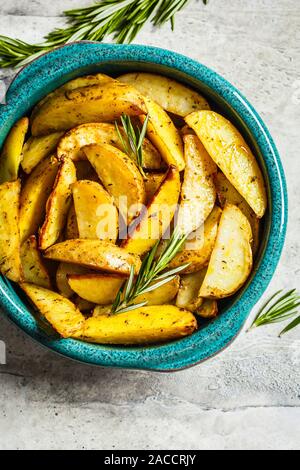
(152, 275)
(133, 146)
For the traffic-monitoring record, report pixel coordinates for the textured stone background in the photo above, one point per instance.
(248, 397)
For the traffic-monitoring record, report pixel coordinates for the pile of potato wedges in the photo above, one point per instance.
(77, 212)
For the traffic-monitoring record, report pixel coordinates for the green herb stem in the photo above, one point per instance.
(121, 19)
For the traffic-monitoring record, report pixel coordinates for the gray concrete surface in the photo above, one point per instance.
(246, 398)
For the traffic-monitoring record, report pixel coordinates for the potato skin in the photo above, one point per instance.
(11, 154)
(229, 150)
(34, 270)
(96, 254)
(58, 205)
(10, 261)
(171, 95)
(37, 148)
(145, 325)
(94, 103)
(71, 144)
(164, 135)
(34, 195)
(62, 314)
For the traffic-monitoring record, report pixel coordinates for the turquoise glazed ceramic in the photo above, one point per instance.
(52, 70)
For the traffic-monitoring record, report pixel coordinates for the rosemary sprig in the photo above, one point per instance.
(283, 308)
(151, 275)
(122, 19)
(135, 138)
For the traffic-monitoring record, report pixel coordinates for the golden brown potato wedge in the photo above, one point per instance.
(198, 248)
(97, 216)
(154, 221)
(64, 270)
(72, 226)
(144, 325)
(102, 310)
(172, 96)
(228, 149)
(11, 154)
(95, 254)
(58, 205)
(152, 183)
(198, 192)
(208, 309)
(79, 82)
(120, 177)
(103, 289)
(34, 269)
(164, 135)
(62, 314)
(189, 292)
(70, 146)
(95, 103)
(227, 193)
(34, 195)
(231, 260)
(10, 262)
(36, 149)
(96, 287)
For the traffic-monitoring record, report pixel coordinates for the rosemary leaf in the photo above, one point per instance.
(283, 308)
(133, 145)
(123, 19)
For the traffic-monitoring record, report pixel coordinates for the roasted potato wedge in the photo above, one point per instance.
(34, 195)
(169, 94)
(208, 309)
(11, 154)
(152, 184)
(10, 261)
(63, 271)
(36, 149)
(164, 135)
(141, 326)
(79, 82)
(97, 216)
(70, 146)
(34, 269)
(231, 260)
(189, 292)
(94, 254)
(198, 192)
(62, 314)
(228, 149)
(120, 177)
(198, 248)
(72, 226)
(154, 221)
(95, 103)
(227, 193)
(58, 205)
(103, 289)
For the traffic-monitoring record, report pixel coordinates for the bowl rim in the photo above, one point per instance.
(209, 341)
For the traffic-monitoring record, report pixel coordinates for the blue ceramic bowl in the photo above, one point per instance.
(52, 70)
